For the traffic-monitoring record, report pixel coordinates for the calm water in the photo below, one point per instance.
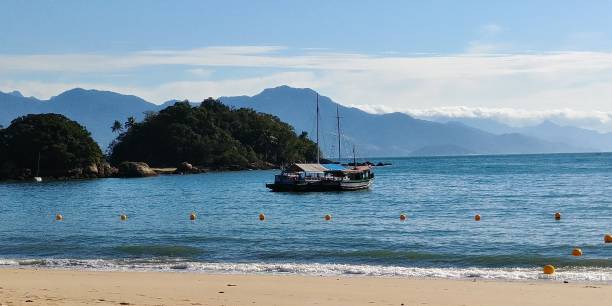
(516, 196)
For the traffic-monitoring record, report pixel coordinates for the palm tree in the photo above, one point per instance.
(130, 122)
(117, 127)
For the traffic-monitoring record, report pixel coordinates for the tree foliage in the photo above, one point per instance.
(211, 134)
(61, 143)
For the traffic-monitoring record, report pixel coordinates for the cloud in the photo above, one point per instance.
(596, 120)
(488, 41)
(573, 85)
(201, 72)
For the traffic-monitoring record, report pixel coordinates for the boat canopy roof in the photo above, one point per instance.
(316, 167)
(308, 167)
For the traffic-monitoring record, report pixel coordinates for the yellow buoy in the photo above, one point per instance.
(192, 216)
(328, 217)
(549, 269)
(123, 217)
(402, 217)
(59, 217)
(477, 217)
(577, 252)
(262, 217)
(557, 216)
(608, 238)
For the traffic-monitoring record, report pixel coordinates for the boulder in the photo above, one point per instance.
(186, 167)
(135, 169)
(91, 170)
(106, 170)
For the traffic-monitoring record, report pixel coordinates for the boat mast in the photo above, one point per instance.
(38, 165)
(338, 121)
(354, 159)
(318, 157)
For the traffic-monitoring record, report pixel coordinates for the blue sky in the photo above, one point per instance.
(439, 27)
(517, 59)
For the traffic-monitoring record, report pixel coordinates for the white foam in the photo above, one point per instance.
(580, 274)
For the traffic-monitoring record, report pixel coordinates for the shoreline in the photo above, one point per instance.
(585, 275)
(27, 286)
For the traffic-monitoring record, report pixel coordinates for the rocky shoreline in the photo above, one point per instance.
(130, 169)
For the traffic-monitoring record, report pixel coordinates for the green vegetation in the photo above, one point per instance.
(210, 135)
(62, 145)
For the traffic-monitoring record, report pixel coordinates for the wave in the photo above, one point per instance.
(581, 274)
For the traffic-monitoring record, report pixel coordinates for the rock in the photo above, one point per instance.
(186, 167)
(261, 165)
(135, 169)
(75, 173)
(91, 170)
(106, 170)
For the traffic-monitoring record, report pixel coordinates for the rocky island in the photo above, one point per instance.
(180, 139)
(50, 145)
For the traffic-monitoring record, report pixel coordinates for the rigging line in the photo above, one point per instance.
(338, 131)
(318, 149)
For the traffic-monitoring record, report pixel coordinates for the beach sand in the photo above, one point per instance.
(68, 287)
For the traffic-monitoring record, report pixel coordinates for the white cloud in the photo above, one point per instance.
(511, 85)
(201, 72)
(520, 117)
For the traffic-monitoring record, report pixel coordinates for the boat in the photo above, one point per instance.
(37, 178)
(304, 177)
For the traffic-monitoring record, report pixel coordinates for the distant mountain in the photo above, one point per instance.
(394, 134)
(16, 93)
(94, 109)
(586, 140)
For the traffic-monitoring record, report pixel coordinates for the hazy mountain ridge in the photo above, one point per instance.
(588, 140)
(393, 134)
(390, 134)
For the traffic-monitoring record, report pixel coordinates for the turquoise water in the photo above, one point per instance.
(515, 195)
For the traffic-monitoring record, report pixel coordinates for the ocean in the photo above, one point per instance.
(516, 195)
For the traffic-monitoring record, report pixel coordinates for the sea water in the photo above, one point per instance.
(516, 195)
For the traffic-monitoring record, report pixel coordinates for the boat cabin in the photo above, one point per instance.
(312, 172)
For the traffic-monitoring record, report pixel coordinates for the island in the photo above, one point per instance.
(181, 138)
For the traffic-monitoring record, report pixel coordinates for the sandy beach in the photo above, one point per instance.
(68, 287)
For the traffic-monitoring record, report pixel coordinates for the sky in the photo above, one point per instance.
(518, 61)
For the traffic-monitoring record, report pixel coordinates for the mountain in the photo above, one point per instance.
(94, 109)
(585, 139)
(393, 134)
(588, 139)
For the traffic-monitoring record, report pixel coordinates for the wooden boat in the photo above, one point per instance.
(303, 177)
(322, 177)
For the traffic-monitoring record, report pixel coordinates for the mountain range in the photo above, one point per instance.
(585, 139)
(392, 134)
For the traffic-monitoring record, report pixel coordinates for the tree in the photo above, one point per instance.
(130, 122)
(213, 135)
(117, 127)
(63, 145)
